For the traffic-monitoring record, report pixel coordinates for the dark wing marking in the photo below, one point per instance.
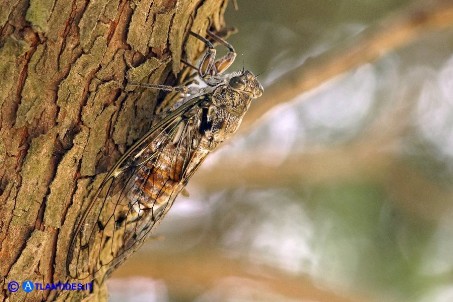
(121, 219)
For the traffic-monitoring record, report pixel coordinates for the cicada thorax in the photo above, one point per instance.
(223, 116)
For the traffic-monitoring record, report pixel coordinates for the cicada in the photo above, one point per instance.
(141, 187)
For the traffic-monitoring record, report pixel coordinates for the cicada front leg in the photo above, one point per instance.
(224, 62)
(209, 65)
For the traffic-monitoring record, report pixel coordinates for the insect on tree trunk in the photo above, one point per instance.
(65, 117)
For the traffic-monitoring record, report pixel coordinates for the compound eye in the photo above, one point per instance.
(237, 83)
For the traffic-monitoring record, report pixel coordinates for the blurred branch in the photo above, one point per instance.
(388, 35)
(363, 162)
(314, 167)
(194, 273)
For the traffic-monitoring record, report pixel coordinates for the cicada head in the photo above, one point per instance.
(246, 82)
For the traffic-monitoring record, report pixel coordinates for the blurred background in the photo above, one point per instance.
(340, 194)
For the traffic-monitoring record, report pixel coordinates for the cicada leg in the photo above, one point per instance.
(209, 65)
(224, 62)
(183, 88)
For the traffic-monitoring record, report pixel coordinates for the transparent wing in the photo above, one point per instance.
(136, 193)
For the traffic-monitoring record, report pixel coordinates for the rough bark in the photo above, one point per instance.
(65, 117)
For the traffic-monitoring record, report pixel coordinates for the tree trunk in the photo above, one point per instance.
(65, 117)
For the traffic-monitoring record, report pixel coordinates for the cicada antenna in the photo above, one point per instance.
(235, 5)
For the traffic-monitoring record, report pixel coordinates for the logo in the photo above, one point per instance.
(13, 286)
(28, 286)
